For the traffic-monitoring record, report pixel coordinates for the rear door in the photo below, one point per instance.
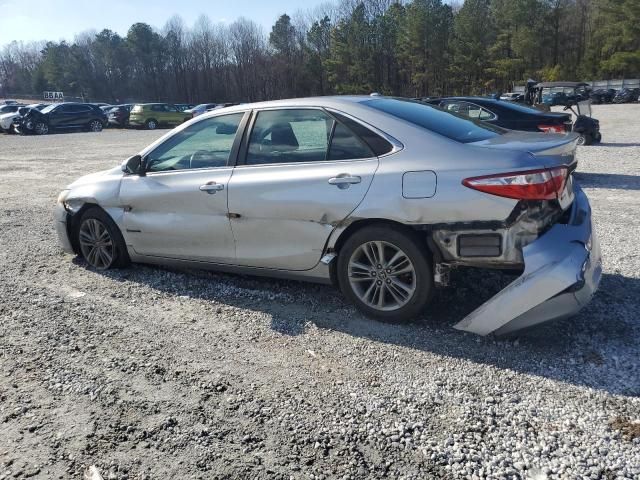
(300, 174)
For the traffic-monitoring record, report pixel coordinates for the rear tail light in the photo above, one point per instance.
(543, 184)
(552, 128)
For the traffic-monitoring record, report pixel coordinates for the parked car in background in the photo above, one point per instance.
(61, 116)
(509, 115)
(119, 115)
(184, 106)
(200, 109)
(602, 95)
(154, 115)
(8, 102)
(627, 95)
(512, 97)
(11, 108)
(7, 119)
(377, 195)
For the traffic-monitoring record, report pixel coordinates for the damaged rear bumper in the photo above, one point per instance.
(562, 271)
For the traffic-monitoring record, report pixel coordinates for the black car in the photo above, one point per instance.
(61, 116)
(119, 115)
(602, 95)
(511, 115)
(627, 95)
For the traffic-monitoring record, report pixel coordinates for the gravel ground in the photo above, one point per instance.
(157, 373)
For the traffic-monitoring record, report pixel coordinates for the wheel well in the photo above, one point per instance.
(360, 224)
(73, 224)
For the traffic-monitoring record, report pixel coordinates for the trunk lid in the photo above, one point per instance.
(550, 149)
(533, 142)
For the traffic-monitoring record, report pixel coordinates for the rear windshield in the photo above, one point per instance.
(448, 124)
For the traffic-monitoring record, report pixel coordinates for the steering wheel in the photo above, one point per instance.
(195, 155)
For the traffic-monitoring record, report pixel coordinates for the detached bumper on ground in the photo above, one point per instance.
(562, 271)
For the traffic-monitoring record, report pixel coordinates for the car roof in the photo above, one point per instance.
(320, 101)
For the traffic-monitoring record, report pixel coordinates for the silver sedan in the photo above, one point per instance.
(379, 196)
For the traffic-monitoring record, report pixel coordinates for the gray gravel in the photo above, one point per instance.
(156, 373)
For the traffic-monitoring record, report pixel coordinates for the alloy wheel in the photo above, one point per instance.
(95, 126)
(582, 140)
(96, 244)
(151, 125)
(41, 128)
(382, 275)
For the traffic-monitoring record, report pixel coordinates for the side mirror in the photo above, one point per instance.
(134, 166)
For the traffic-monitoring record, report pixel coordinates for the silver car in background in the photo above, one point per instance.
(379, 196)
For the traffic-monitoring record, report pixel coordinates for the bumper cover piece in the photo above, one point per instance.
(562, 271)
(61, 216)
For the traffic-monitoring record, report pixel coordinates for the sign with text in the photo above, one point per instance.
(55, 96)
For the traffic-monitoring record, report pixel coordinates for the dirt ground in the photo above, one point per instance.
(152, 373)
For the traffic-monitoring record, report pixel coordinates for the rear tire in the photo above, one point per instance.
(100, 242)
(385, 273)
(585, 139)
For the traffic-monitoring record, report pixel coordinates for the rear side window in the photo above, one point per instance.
(301, 136)
(284, 136)
(450, 125)
(378, 145)
(346, 146)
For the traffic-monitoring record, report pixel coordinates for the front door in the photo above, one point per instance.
(302, 174)
(179, 208)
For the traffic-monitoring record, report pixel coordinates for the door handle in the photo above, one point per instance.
(344, 180)
(211, 187)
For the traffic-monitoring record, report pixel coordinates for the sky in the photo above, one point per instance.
(30, 20)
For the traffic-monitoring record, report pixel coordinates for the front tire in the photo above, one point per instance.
(95, 126)
(41, 128)
(385, 273)
(151, 124)
(100, 241)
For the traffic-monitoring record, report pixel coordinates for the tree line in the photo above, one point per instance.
(411, 48)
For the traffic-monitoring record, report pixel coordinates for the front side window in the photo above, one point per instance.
(300, 136)
(204, 144)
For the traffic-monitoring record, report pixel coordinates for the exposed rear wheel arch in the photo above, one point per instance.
(386, 272)
(374, 222)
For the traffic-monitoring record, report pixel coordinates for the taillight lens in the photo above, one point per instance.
(552, 128)
(543, 184)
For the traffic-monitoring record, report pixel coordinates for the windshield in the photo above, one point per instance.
(48, 108)
(448, 124)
